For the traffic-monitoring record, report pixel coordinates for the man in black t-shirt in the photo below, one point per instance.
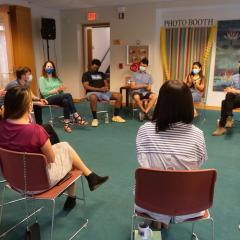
(97, 89)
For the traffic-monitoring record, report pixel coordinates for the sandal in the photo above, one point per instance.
(67, 128)
(80, 121)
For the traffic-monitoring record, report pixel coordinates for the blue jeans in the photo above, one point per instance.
(64, 100)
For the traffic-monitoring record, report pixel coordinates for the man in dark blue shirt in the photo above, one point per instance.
(97, 89)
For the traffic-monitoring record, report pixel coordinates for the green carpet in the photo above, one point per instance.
(110, 150)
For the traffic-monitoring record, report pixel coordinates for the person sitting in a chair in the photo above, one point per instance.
(18, 134)
(171, 141)
(52, 89)
(24, 78)
(140, 85)
(231, 101)
(196, 82)
(97, 89)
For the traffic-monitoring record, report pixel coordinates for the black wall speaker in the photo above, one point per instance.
(48, 29)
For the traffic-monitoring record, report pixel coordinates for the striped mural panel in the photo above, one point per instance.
(183, 47)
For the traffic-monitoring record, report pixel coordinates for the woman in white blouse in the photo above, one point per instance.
(171, 141)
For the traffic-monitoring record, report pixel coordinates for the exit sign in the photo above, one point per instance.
(91, 16)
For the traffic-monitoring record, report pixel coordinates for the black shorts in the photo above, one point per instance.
(145, 96)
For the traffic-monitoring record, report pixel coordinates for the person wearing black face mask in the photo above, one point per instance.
(97, 89)
(52, 89)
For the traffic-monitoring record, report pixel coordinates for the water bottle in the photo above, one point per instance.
(106, 117)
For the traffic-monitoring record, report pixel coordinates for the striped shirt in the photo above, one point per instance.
(182, 147)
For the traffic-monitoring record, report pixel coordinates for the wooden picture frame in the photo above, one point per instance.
(137, 52)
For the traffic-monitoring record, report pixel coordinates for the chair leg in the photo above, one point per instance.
(53, 213)
(194, 235)
(2, 204)
(83, 192)
(51, 116)
(213, 236)
(133, 227)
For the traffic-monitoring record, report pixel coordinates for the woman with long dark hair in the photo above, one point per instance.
(196, 81)
(52, 89)
(171, 141)
(18, 134)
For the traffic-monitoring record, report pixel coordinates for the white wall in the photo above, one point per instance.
(101, 44)
(128, 31)
(37, 13)
(142, 22)
(221, 12)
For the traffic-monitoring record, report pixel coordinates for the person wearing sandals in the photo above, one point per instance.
(52, 89)
(170, 141)
(17, 133)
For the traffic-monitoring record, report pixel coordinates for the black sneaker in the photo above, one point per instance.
(70, 203)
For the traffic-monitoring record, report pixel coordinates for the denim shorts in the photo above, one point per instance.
(196, 95)
(100, 95)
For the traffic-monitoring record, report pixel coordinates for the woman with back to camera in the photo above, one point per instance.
(18, 134)
(196, 82)
(52, 89)
(171, 141)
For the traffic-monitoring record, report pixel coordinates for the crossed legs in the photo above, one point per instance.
(150, 105)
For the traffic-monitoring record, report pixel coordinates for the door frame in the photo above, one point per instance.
(94, 25)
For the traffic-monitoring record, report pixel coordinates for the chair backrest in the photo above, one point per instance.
(175, 192)
(16, 166)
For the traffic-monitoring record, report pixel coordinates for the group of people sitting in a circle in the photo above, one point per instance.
(168, 132)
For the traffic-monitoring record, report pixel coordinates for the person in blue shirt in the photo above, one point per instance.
(141, 83)
(24, 78)
(231, 101)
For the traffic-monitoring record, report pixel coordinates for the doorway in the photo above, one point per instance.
(6, 55)
(97, 45)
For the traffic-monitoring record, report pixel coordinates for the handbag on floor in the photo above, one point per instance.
(33, 232)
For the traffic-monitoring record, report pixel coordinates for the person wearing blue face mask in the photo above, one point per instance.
(52, 89)
(24, 78)
(196, 82)
(141, 84)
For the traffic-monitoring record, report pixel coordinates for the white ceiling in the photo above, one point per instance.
(66, 4)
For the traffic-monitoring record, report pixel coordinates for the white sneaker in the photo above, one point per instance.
(94, 123)
(118, 119)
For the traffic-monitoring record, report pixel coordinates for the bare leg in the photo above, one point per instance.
(78, 163)
(152, 100)
(138, 102)
(93, 102)
(72, 190)
(118, 97)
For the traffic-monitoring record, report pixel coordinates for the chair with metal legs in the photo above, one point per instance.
(174, 193)
(203, 106)
(26, 174)
(135, 109)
